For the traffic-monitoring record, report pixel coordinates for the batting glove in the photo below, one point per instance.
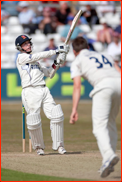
(62, 48)
(61, 58)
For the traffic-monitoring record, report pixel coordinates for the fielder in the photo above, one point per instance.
(99, 70)
(36, 95)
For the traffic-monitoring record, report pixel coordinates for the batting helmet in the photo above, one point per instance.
(20, 40)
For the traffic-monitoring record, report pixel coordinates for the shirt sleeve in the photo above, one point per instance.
(31, 58)
(75, 70)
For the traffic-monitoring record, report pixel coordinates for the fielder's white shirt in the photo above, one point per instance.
(30, 69)
(93, 67)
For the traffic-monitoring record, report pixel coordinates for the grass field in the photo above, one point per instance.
(79, 141)
(11, 175)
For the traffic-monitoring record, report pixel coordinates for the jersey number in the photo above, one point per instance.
(104, 59)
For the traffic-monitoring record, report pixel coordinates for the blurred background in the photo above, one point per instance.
(47, 23)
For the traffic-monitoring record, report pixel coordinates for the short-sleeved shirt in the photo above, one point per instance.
(94, 67)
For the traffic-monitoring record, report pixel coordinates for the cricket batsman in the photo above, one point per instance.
(36, 95)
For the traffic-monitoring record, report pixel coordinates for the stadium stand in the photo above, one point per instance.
(13, 28)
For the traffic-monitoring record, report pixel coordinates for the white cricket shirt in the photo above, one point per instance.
(30, 70)
(93, 67)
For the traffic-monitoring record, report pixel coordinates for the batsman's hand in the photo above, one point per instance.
(62, 48)
(73, 117)
(61, 58)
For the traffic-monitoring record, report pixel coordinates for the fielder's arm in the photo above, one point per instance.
(76, 98)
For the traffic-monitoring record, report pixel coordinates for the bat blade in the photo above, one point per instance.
(73, 25)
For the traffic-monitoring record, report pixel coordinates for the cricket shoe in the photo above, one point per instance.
(107, 167)
(112, 169)
(61, 150)
(40, 151)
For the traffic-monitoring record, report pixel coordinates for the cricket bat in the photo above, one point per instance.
(73, 25)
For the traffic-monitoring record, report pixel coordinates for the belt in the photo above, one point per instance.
(36, 86)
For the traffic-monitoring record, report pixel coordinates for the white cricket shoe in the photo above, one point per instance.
(107, 167)
(40, 151)
(61, 150)
(112, 170)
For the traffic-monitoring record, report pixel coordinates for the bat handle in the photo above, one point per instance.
(58, 61)
(66, 42)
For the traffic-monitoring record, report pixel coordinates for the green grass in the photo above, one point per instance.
(10, 175)
(78, 137)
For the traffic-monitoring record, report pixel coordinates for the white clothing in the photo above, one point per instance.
(99, 70)
(93, 66)
(30, 70)
(114, 50)
(36, 95)
(105, 108)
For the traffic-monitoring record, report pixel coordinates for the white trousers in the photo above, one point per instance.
(106, 103)
(38, 97)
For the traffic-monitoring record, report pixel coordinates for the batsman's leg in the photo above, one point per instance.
(56, 126)
(56, 116)
(35, 131)
(32, 101)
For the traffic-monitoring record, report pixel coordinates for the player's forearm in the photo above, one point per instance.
(50, 72)
(56, 65)
(76, 97)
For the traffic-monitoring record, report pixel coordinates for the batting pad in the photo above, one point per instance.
(35, 130)
(56, 126)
